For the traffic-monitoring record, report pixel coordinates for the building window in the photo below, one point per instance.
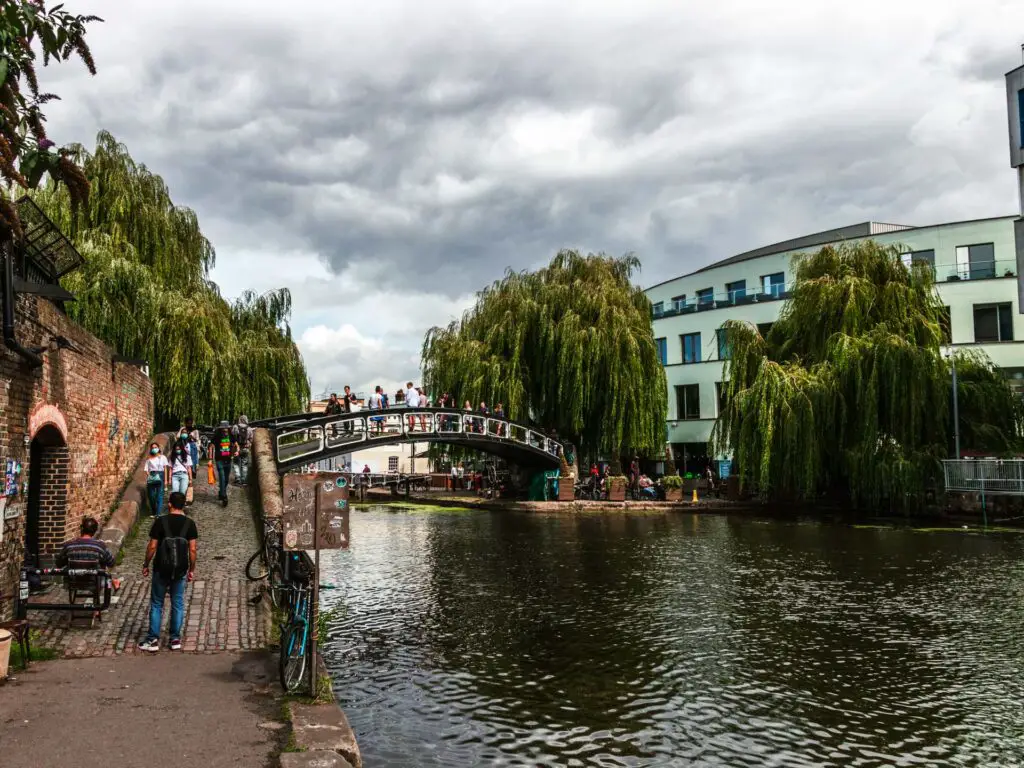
(705, 297)
(764, 329)
(723, 344)
(774, 284)
(392, 463)
(720, 396)
(993, 322)
(678, 302)
(919, 257)
(976, 262)
(662, 350)
(736, 290)
(1020, 114)
(945, 326)
(688, 402)
(658, 309)
(691, 347)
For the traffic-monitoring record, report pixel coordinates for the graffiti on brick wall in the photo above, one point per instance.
(115, 427)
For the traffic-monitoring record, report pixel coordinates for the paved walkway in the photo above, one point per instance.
(168, 709)
(219, 613)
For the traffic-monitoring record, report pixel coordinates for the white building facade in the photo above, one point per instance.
(975, 265)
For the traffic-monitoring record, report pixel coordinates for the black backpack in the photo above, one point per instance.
(172, 556)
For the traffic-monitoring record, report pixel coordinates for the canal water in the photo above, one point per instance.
(476, 638)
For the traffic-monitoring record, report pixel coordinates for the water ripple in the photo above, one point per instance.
(647, 640)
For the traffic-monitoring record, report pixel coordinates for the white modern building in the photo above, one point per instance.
(975, 265)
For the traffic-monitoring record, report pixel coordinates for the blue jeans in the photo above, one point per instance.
(223, 475)
(156, 605)
(155, 492)
(242, 467)
(179, 482)
(193, 451)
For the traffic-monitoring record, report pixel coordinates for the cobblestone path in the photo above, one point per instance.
(219, 614)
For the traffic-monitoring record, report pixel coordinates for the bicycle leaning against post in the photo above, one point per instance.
(295, 629)
(265, 562)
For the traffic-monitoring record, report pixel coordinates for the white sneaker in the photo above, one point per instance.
(151, 645)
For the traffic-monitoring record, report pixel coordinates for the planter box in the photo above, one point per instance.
(673, 494)
(617, 493)
(566, 492)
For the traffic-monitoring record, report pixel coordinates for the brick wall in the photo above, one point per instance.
(96, 416)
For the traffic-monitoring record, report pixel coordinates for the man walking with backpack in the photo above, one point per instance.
(172, 551)
(222, 451)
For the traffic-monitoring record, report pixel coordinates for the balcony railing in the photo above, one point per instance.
(943, 273)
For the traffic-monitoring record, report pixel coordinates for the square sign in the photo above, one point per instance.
(299, 507)
(303, 494)
(333, 525)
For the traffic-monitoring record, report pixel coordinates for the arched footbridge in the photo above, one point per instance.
(311, 437)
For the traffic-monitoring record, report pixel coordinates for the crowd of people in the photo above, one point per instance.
(228, 453)
(415, 397)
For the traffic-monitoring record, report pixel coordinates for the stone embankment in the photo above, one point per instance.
(319, 730)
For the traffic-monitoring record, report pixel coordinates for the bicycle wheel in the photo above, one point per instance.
(256, 569)
(275, 583)
(292, 658)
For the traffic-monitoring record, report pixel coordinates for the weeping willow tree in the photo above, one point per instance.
(849, 394)
(568, 347)
(145, 290)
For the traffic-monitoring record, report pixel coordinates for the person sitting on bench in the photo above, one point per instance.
(86, 551)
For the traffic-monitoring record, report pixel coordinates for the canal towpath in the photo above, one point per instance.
(110, 702)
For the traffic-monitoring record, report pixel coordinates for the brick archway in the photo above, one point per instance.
(44, 415)
(47, 513)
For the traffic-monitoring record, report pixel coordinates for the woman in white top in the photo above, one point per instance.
(181, 464)
(157, 469)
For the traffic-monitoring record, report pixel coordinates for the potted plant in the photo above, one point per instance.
(673, 487)
(617, 482)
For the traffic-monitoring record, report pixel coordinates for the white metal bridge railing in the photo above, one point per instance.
(357, 431)
(985, 476)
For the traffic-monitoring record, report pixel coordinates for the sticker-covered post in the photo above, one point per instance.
(330, 531)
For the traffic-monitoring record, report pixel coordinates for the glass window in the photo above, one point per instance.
(658, 309)
(705, 297)
(688, 402)
(764, 329)
(691, 348)
(723, 344)
(392, 463)
(773, 284)
(919, 257)
(1020, 114)
(678, 302)
(993, 322)
(975, 262)
(662, 350)
(736, 290)
(720, 396)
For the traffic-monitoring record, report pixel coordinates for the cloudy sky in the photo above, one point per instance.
(384, 160)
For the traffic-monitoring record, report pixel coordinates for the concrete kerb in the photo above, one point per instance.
(321, 730)
(132, 502)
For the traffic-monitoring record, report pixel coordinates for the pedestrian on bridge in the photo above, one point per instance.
(172, 545)
(412, 400)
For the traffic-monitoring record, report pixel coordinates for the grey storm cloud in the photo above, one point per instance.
(417, 151)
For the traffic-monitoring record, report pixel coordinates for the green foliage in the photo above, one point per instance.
(27, 29)
(670, 463)
(37, 651)
(569, 347)
(850, 394)
(672, 481)
(145, 290)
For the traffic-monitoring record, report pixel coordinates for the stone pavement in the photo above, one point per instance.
(219, 613)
